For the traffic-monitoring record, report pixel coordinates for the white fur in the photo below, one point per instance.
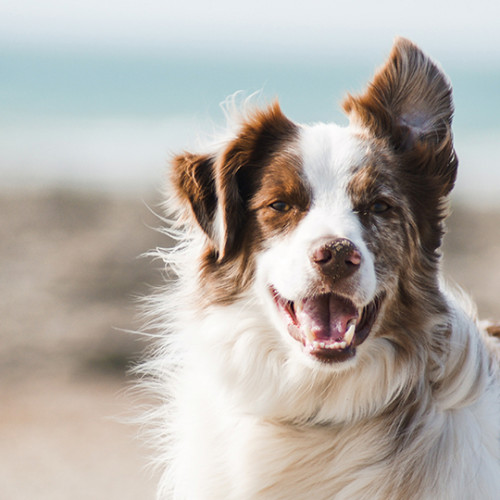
(239, 386)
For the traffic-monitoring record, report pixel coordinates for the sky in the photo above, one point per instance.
(446, 28)
(460, 34)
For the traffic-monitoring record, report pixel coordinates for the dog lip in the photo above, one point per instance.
(339, 343)
(367, 318)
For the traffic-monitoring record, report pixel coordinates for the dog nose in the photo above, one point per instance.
(338, 258)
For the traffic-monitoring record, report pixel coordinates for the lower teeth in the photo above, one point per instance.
(332, 346)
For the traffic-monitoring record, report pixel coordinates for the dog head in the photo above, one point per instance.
(330, 227)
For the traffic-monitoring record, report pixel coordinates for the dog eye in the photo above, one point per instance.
(379, 207)
(280, 206)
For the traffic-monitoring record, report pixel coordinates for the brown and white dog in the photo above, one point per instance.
(309, 347)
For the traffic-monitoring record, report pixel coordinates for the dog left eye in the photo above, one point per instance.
(379, 207)
(280, 206)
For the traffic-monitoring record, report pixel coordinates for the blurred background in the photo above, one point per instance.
(94, 98)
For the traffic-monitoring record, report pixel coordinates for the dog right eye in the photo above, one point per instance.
(379, 207)
(280, 206)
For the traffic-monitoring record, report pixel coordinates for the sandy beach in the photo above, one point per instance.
(68, 277)
(70, 271)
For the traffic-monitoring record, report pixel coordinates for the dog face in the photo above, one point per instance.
(323, 224)
(324, 277)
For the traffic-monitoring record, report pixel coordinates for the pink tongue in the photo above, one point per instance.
(326, 317)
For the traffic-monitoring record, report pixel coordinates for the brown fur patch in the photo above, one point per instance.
(494, 330)
(230, 177)
(387, 233)
(241, 167)
(254, 170)
(283, 183)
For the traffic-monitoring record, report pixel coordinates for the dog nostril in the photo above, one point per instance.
(354, 258)
(322, 255)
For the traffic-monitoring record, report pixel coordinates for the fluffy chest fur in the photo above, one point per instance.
(309, 348)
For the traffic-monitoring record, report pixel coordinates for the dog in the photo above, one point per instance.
(309, 347)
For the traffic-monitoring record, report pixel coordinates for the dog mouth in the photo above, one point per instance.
(328, 326)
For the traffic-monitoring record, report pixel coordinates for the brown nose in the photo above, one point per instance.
(338, 258)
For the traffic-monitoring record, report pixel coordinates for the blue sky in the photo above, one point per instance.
(446, 29)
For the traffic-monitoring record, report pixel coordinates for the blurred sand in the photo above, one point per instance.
(68, 274)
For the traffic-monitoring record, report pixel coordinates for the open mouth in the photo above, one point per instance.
(328, 326)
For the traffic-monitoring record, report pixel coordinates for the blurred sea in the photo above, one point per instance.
(110, 121)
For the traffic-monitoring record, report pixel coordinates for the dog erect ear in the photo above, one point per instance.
(218, 188)
(409, 101)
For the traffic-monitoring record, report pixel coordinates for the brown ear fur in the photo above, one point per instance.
(227, 180)
(192, 177)
(409, 102)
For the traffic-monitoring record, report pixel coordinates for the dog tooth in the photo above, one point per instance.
(342, 345)
(310, 336)
(322, 345)
(350, 334)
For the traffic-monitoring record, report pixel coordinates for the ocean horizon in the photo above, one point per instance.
(111, 121)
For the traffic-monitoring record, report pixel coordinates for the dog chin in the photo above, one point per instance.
(327, 327)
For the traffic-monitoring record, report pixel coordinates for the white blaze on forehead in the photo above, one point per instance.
(329, 153)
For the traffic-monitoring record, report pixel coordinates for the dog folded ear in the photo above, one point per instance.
(409, 102)
(193, 179)
(217, 188)
(241, 166)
